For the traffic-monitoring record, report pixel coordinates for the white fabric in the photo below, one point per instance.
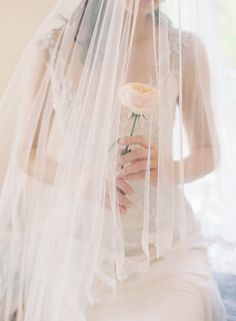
(172, 290)
(179, 287)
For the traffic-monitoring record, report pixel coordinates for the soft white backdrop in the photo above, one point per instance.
(19, 19)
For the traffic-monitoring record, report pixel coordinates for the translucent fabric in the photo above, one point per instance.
(172, 289)
(116, 135)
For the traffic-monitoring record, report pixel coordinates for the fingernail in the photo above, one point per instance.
(122, 140)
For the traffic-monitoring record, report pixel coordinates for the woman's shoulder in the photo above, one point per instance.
(49, 39)
(189, 41)
(193, 51)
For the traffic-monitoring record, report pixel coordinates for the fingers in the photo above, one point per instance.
(122, 209)
(123, 186)
(136, 168)
(135, 140)
(107, 202)
(137, 154)
(141, 175)
(122, 200)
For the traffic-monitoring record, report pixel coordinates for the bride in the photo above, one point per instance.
(114, 117)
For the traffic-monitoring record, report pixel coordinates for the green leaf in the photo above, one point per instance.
(133, 115)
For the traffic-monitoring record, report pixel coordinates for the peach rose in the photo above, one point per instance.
(141, 99)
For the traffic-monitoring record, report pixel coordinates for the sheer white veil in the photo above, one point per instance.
(79, 87)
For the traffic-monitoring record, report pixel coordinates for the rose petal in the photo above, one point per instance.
(139, 98)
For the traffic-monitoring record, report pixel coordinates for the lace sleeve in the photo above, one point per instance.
(48, 40)
(62, 94)
(50, 43)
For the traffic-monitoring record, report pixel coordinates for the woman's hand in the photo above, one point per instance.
(122, 189)
(135, 162)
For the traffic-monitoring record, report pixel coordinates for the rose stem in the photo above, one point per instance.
(132, 131)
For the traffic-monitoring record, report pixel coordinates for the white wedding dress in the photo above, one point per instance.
(174, 288)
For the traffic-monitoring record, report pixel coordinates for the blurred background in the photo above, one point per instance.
(19, 19)
(228, 29)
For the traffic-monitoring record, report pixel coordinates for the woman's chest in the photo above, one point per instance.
(142, 63)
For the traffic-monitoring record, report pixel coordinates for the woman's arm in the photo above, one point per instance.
(36, 88)
(198, 122)
(42, 141)
(197, 115)
(199, 163)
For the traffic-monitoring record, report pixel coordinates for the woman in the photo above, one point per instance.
(98, 167)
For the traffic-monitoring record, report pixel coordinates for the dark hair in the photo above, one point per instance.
(85, 17)
(80, 20)
(89, 21)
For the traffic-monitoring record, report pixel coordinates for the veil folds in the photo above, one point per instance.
(98, 71)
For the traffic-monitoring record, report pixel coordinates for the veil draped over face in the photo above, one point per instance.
(98, 71)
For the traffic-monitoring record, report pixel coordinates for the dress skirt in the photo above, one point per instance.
(173, 289)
